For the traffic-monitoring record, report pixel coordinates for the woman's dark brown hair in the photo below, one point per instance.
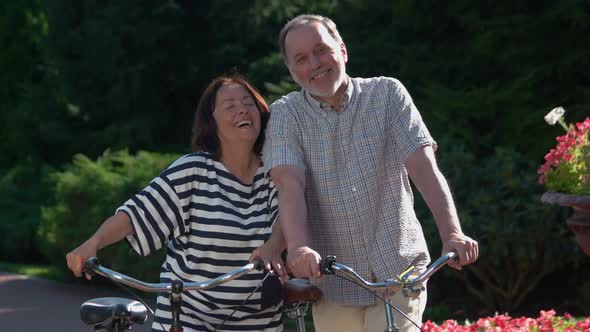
(205, 129)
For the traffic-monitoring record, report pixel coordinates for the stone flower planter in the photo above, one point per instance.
(579, 222)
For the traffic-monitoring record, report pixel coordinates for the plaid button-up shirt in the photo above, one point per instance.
(358, 195)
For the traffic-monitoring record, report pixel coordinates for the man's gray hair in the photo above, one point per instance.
(304, 20)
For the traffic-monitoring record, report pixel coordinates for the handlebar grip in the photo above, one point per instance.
(452, 255)
(89, 265)
(326, 265)
(258, 264)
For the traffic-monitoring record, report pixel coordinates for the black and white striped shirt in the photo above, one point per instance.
(210, 222)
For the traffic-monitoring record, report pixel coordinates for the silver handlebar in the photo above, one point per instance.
(92, 266)
(437, 265)
(412, 285)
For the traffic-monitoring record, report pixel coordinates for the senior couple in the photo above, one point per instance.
(326, 172)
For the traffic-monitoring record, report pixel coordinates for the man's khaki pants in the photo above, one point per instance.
(329, 317)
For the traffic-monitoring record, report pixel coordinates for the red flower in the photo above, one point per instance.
(546, 322)
(567, 165)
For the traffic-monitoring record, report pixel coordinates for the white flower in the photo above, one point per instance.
(554, 116)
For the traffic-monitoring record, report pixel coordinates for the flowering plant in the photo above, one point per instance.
(547, 321)
(567, 166)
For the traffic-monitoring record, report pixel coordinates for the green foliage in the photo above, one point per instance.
(568, 178)
(86, 193)
(131, 71)
(81, 77)
(436, 312)
(21, 193)
(268, 71)
(583, 294)
(119, 74)
(567, 167)
(481, 74)
(27, 92)
(521, 240)
(39, 271)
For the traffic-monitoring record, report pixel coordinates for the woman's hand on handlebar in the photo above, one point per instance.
(77, 257)
(270, 254)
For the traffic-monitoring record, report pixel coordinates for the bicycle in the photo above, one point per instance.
(119, 314)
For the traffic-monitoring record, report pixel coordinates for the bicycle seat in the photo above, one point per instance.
(300, 290)
(97, 311)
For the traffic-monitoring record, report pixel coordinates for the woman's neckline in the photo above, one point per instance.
(237, 179)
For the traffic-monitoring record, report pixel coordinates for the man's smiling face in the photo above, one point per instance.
(316, 60)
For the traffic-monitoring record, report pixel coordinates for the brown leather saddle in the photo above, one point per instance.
(300, 290)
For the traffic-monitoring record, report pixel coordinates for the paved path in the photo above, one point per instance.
(30, 304)
(37, 305)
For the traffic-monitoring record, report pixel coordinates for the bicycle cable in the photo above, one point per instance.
(243, 302)
(383, 300)
(137, 297)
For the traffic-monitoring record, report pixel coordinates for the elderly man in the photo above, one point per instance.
(341, 152)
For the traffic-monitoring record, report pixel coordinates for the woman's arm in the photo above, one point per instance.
(114, 229)
(271, 251)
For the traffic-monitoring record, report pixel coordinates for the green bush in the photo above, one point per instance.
(522, 241)
(88, 192)
(21, 194)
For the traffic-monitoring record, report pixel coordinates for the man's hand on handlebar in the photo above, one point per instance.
(467, 250)
(304, 262)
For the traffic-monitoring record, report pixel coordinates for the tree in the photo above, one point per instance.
(483, 74)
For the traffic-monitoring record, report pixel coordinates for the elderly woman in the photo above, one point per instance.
(213, 209)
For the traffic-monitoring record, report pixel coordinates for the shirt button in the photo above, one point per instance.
(353, 189)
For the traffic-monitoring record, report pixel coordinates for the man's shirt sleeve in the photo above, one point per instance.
(410, 131)
(282, 144)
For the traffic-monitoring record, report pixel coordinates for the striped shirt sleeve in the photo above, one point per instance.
(156, 215)
(273, 203)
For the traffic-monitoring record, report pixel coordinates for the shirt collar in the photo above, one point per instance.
(327, 107)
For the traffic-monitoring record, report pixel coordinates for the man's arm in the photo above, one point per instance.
(423, 170)
(301, 259)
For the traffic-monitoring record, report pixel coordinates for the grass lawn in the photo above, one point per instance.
(40, 271)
